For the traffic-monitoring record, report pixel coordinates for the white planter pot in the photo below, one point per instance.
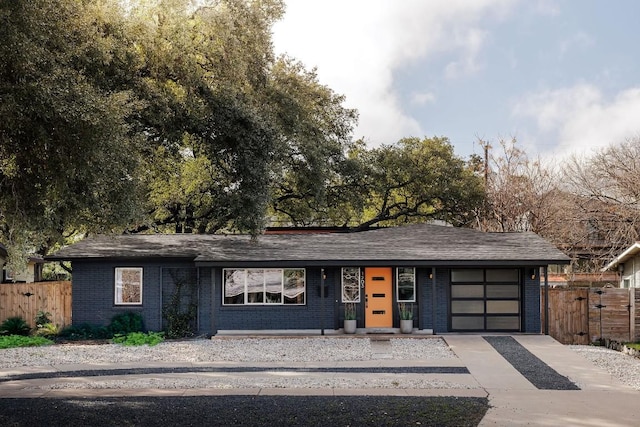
(350, 326)
(406, 326)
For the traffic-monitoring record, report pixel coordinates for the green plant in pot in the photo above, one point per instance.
(350, 322)
(406, 317)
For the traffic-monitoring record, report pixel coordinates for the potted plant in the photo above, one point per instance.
(350, 321)
(406, 317)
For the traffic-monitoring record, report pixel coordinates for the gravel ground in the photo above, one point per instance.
(225, 350)
(622, 366)
(240, 350)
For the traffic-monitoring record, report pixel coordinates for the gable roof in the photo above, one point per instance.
(420, 244)
(628, 253)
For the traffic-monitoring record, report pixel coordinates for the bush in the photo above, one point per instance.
(11, 341)
(15, 326)
(46, 330)
(125, 323)
(85, 332)
(42, 318)
(139, 338)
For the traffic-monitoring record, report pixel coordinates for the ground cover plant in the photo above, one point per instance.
(139, 338)
(11, 341)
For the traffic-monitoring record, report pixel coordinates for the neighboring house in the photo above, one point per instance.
(32, 272)
(455, 280)
(628, 266)
(3, 262)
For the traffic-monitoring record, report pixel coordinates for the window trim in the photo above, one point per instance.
(264, 303)
(115, 286)
(398, 285)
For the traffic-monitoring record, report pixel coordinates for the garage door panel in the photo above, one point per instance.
(468, 322)
(507, 323)
(467, 307)
(467, 291)
(503, 307)
(503, 291)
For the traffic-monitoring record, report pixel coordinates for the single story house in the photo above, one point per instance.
(627, 264)
(31, 273)
(453, 279)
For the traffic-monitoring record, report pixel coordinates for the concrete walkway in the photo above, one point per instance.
(601, 401)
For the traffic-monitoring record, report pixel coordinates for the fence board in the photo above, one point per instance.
(584, 315)
(26, 299)
(568, 315)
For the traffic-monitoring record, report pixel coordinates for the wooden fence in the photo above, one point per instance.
(585, 315)
(27, 299)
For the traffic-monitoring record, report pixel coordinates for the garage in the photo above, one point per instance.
(485, 300)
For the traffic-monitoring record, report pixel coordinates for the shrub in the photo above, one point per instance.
(14, 326)
(85, 332)
(42, 318)
(139, 338)
(46, 330)
(11, 341)
(125, 323)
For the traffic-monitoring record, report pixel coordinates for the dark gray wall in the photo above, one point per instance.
(94, 286)
(258, 317)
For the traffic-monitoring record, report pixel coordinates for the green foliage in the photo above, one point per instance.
(15, 326)
(85, 332)
(180, 317)
(11, 341)
(350, 311)
(139, 338)
(126, 323)
(405, 310)
(65, 141)
(42, 318)
(47, 330)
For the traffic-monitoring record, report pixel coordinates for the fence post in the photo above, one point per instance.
(546, 300)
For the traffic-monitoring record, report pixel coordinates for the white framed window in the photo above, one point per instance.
(255, 286)
(406, 284)
(128, 286)
(351, 284)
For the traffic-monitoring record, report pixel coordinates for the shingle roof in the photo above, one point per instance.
(413, 244)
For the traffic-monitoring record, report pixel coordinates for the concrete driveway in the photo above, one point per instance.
(600, 401)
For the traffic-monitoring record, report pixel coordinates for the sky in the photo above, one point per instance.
(562, 77)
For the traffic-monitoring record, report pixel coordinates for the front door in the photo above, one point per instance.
(378, 297)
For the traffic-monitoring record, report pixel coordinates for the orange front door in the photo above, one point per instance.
(378, 298)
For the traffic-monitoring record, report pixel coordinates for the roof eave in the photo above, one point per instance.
(623, 257)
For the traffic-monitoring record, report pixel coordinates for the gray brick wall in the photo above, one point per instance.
(258, 317)
(531, 303)
(94, 287)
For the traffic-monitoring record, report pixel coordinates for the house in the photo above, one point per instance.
(454, 279)
(3, 262)
(627, 264)
(31, 273)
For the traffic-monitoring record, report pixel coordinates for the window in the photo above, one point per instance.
(350, 285)
(264, 286)
(128, 289)
(406, 284)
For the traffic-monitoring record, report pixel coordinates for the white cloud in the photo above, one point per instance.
(581, 119)
(422, 98)
(358, 44)
(579, 40)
